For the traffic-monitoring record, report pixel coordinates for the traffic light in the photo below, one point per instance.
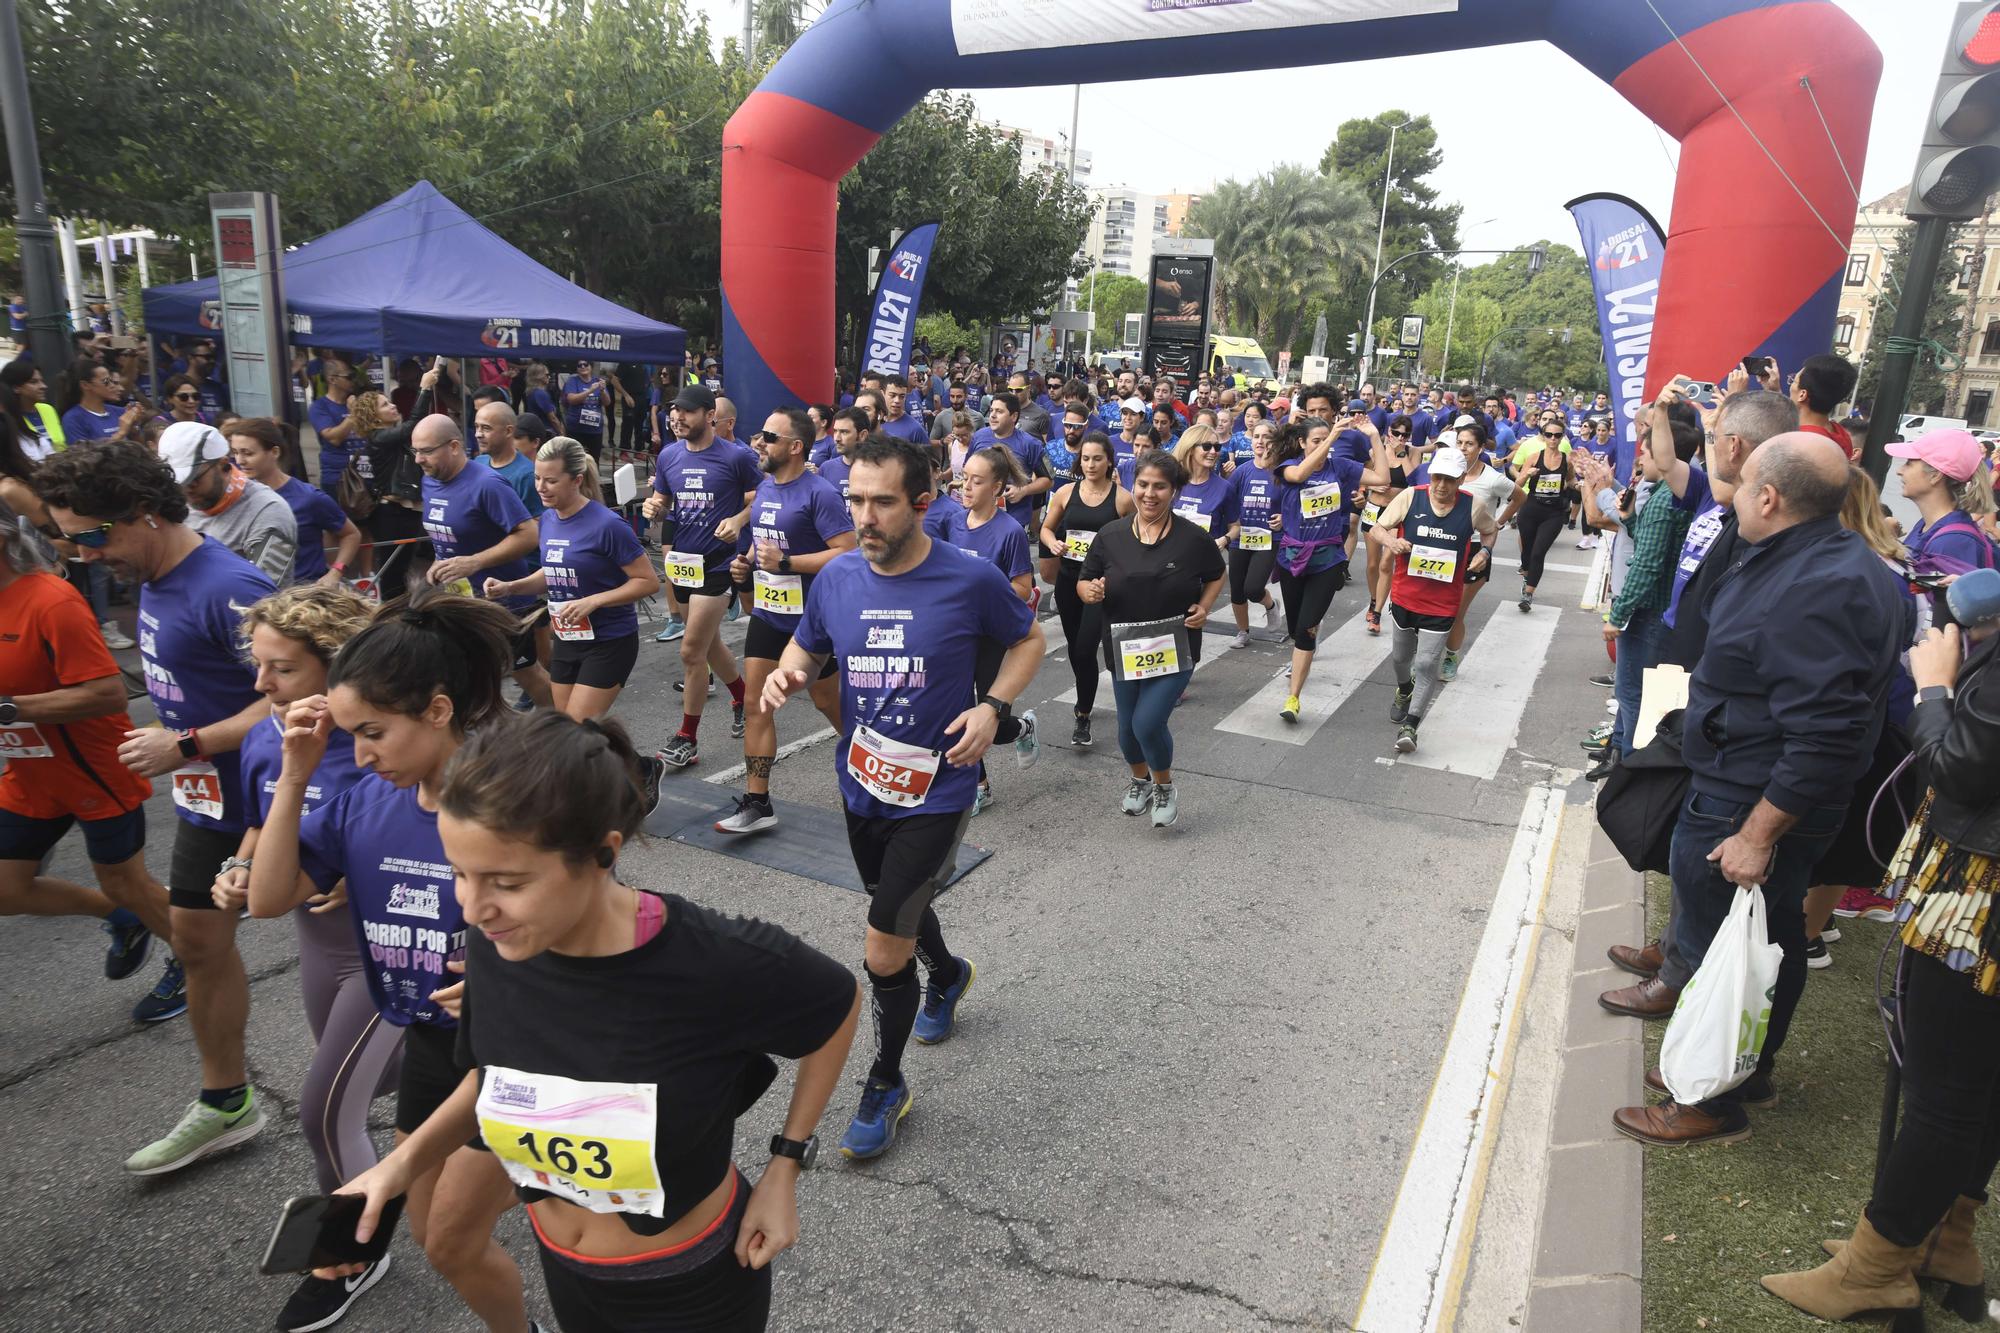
(1353, 343)
(1958, 165)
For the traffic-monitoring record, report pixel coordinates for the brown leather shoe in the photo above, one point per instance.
(1644, 962)
(1651, 998)
(1757, 1090)
(1672, 1125)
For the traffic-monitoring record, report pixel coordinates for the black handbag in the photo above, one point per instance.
(1640, 801)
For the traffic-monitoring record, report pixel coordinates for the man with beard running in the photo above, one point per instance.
(906, 618)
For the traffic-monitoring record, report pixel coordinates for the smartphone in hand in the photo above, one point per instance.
(317, 1231)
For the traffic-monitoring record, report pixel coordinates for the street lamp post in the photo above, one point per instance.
(1381, 229)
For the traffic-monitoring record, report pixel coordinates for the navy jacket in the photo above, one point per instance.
(1804, 632)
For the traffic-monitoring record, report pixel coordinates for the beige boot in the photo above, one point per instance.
(1868, 1274)
(1948, 1254)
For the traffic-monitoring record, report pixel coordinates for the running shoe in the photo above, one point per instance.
(940, 1012)
(1604, 681)
(1079, 735)
(736, 722)
(1448, 667)
(116, 638)
(1028, 745)
(983, 797)
(1831, 934)
(680, 752)
(1527, 602)
(202, 1130)
(1290, 712)
(1587, 542)
(1406, 739)
(651, 768)
(1374, 621)
(167, 999)
(1242, 639)
(675, 628)
(1399, 707)
(1273, 615)
(734, 613)
(873, 1129)
(1597, 738)
(130, 942)
(708, 691)
(1866, 904)
(320, 1302)
(523, 704)
(1817, 954)
(1138, 796)
(1166, 808)
(753, 814)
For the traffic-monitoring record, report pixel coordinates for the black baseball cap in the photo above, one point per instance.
(531, 426)
(695, 398)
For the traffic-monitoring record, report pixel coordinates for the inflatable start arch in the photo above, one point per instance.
(1754, 259)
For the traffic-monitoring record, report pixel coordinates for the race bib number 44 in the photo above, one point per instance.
(198, 790)
(590, 1143)
(684, 570)
(891, 771)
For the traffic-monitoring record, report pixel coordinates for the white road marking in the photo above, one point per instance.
(1551, 567)
(1052, 630)
(1345, 659)
(1474, 721)
(1411, 1286)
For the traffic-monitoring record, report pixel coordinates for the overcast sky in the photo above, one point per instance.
(1576, 133)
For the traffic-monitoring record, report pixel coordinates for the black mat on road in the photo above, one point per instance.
(809, 842)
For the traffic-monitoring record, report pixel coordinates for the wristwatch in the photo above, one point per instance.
(10, 712)
(1931, 693)
(1000, 706)
(785, 564)
(190, 748)
(803, 1151)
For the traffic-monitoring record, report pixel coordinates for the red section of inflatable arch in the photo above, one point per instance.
(1722, 298)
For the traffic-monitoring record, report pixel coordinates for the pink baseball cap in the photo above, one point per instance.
(1955, 453)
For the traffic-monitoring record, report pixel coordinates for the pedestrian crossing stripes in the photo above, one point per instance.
(1476, 719)
(1345, 659)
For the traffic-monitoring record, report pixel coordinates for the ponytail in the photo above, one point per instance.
(577, 462)
(428, 643)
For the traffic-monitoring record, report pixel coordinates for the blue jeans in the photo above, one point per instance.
(1638, 648)
(1143, 709)
(1702, 897)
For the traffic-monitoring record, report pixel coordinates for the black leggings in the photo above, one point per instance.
(1083, 626)
(1307, 597)
(1950, 1136)
(1249, 574)
(1540, 524)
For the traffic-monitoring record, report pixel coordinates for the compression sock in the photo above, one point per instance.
(691, 725)
(1430, 647)
(896, 999)
(1402, 651)
(226, 1100)
(736, 691)
(931, 950)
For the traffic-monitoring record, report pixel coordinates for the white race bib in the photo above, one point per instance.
(1253, 539)
(1142, 659)
(780, 594)
(23, 740)
(1321, 501)
(590, 418)
(198, 789)
(1196, 517)
(685, 571)
(590, 1143)
(580, 632)
(1371, 513)
(1076, 543)
(893, 772)
(1433, 562)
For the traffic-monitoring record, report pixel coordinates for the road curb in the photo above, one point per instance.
(1587, 1245)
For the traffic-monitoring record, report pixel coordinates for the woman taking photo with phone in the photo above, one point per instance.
(408, 689)
(1076, 514)
(613, 1036)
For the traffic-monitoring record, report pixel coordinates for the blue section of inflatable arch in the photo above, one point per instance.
(1749, 257)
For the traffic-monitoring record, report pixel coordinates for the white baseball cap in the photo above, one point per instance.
(1447, 463)
(186, 446)
(1133, 405)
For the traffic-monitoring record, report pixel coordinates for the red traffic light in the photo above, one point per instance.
(1979, 38)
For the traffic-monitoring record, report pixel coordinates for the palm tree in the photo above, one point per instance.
(779, 23)
(1283, 242)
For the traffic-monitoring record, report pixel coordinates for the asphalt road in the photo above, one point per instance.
(1181, 1096)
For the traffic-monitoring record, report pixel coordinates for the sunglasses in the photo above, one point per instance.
(1552, 434)
(1075, 425)
(187, 397)
(94, 538)
(1210, 448)
(772, 437)
(1400, 434)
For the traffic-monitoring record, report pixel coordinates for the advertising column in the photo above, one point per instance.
(1178, 290)
(251, 317)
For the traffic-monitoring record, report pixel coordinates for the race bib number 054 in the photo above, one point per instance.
(891, 771)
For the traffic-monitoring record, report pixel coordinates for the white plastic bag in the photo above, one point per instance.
(1717, 1031)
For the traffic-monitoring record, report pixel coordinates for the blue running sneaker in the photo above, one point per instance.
(873, 1129)
(130, 943)
(940, 1012)
(167, 999)
(675, 628)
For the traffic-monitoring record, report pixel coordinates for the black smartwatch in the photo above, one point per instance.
(785, 564)
(803, 1151)
(10, 712)
(1928, 694)
(1000, 706)
(189, 748)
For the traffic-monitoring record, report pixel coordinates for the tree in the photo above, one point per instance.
(1942, 332)
(1508, 316)
(1282, 242)
(1359, 155)
(1117, 296)
(779, 23)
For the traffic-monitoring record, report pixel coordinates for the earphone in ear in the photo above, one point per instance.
(605, 856)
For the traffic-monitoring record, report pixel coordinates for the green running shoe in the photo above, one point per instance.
(1448, 669)
(202, 1130)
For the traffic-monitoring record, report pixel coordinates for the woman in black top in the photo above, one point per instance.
(1156, 575)
(1551, 484)
(1075, 515)
(393, 478)
(615, 1037)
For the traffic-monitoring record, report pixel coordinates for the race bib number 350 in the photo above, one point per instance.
(891, 771)
(590, 1143)
(684, 570)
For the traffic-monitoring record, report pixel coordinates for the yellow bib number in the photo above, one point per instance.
(1076, 545)
(590, 1143)
(1146, 658)
(1254, 539)
(1433, 562)
(1322, 501)
(781, 594)
(685, 571)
